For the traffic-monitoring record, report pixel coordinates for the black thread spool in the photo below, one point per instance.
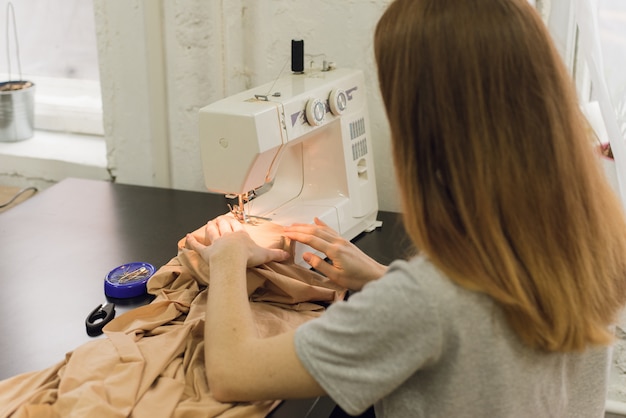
(297, 55)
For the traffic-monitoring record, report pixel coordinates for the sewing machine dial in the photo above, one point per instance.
(338, 101)
(315, 112)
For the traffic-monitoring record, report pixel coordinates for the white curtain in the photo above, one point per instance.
(601, 48)
(57, 38)
(602, 44)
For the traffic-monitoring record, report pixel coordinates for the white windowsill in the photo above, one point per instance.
(52, 156)
(66, 105)
(60, 146)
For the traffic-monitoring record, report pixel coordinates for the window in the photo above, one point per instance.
(58, 52)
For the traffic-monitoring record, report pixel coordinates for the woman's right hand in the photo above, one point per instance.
(349, 267)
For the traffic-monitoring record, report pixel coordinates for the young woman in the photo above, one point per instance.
(506, 309)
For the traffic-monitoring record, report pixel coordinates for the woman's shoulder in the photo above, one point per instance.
(419, 273)
(423, 281)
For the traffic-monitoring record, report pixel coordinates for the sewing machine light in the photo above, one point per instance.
(338, 101)
(315, 111)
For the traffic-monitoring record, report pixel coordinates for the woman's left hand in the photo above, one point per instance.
(226, 236)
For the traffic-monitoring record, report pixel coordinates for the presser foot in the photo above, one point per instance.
(241, 215)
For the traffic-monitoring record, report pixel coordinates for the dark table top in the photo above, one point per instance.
(56, 248)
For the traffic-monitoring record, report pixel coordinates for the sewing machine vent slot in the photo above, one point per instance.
(357, 128)
(359, 149)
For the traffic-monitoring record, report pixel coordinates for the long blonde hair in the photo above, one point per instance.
(500, 186)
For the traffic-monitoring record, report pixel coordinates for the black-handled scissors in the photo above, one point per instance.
(98, 318)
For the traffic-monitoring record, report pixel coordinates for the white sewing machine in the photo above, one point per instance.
(295, 149)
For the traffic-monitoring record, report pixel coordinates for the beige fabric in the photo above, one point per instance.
(151, 363)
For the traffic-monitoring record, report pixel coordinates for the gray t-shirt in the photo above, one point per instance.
(417, 345)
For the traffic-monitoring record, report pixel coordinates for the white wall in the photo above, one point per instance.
(162, 60)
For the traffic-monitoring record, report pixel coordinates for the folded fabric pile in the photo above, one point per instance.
(151, 361)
